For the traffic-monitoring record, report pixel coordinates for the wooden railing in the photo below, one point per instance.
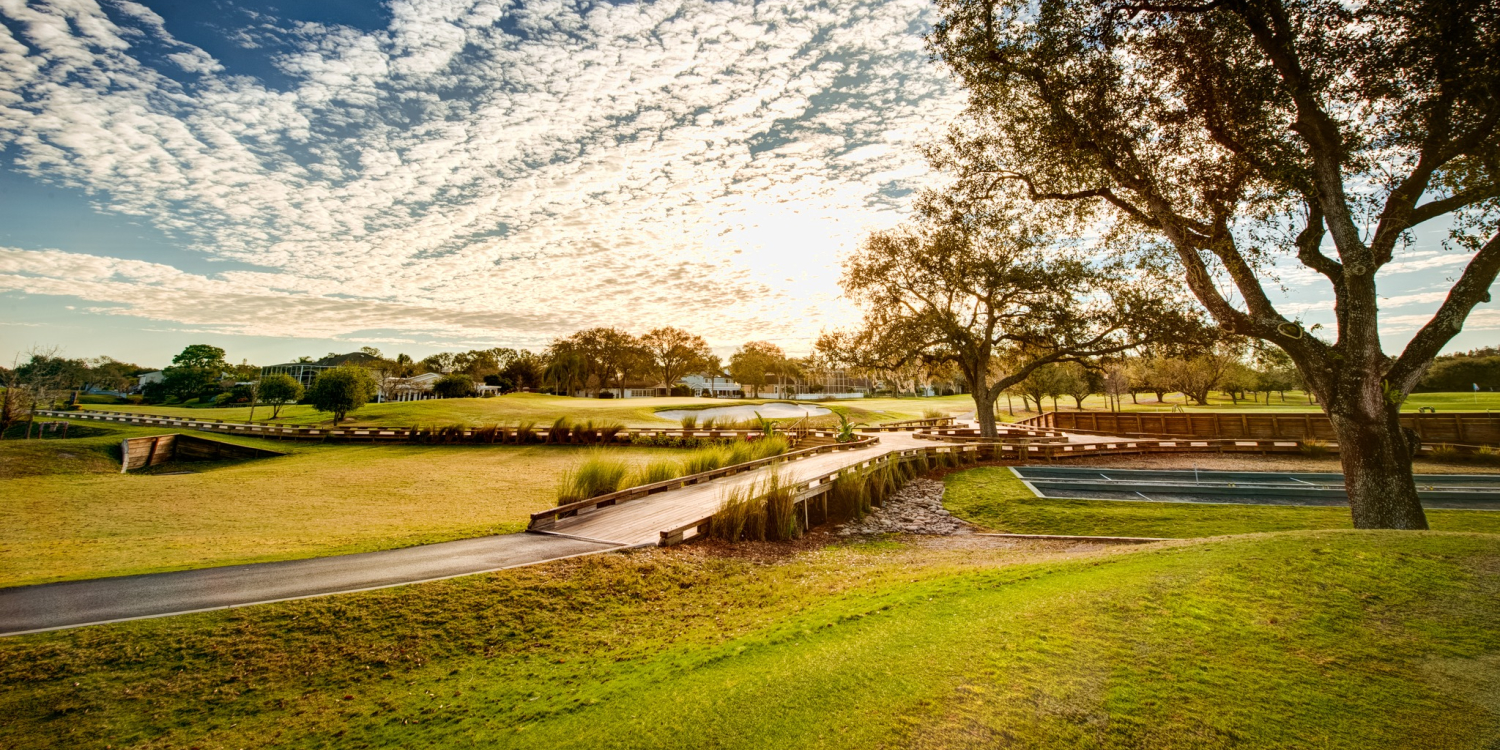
(924, 422)
(807, 489)
(547, 519)
(380, 434)
(1472, 428)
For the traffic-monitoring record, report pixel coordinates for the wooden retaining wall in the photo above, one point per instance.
(141, 452)
(1472, 428)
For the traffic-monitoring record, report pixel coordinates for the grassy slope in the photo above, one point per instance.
(1321, 639)
(516, 407)
(66, 512)
(994, 498)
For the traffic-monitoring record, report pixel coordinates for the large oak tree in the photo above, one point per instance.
(976, 283)
(1235, 130)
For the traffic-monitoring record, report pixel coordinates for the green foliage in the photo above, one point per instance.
(657, 470)
(341, 390)
(689, 421)
(600, 473)
(995, 499)
(846, 433)
(278, 390)
(758, 511)
(455, 385)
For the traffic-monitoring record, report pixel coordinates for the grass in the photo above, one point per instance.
(67, 513)
(994, 498)
(542, 409)
(1338, 640)
(602, 472)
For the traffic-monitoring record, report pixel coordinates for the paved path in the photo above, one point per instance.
(61, 605)
(642, 521)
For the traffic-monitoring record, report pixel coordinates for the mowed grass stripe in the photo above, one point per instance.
(993, 498)
(1312, 639)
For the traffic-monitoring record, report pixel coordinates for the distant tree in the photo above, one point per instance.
(50, 377)
(525, 370)
(442, 362)
(1462, 373)
(455, 385)
(610, 356)
(673, 353)
(1079, 381)
(756, 364)
(567, 371)
(196, 371)
(975, 281)
(278, 390)
(108, 374)
(342, 390)
(1198, 375)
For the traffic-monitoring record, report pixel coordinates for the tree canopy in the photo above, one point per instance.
(1233, 132)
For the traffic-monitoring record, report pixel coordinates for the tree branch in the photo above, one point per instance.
(1472, 288)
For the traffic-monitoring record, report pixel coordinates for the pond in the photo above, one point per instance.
(775, 410)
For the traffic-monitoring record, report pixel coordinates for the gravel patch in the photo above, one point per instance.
(916, 508)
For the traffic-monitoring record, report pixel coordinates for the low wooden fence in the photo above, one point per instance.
(141, 452)
(382, 434)
(547, 519)
(1004, 434)
(1472, 428)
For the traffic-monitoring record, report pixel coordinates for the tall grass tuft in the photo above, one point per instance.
(487, 434)
(560, 431)
(657, 470)
(1314, 447)
(705, 459)
(933, 414)
(709, 422)
(525, 433)
(599, 474)
(690, 421)
(584, 433)
(1445, 452)
(607, 432)
(849, 498)
(767, 447)
(739, 452)
(781, 509)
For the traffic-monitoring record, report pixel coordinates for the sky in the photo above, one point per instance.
(284, 179)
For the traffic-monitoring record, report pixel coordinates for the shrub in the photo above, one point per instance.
(599, 474)
(341, 390)
(606, 394)
(933, 414)
(681, 390)
(455, 385)
(277, 391)
(1487, 455)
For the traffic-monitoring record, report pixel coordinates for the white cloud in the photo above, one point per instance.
(481, 168)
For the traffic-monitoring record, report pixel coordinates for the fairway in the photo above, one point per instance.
(66, 512)
(1339, 640)
(514, 408)
(995, 499)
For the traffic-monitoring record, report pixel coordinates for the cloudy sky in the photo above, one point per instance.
(298, 178)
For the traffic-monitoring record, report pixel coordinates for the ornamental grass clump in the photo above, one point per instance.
(705, 459)
(488, 434)
(607, 432)
(559, 431)
(1314, 447)
(849, 498)
(657, 470)
(1445, 452)
(598, 474)
(525, 433)
(739, 452)
(690, 421)
(709, 422)
(759, 511)
(933, 414)
(767, 447)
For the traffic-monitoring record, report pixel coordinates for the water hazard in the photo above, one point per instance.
(774, 410)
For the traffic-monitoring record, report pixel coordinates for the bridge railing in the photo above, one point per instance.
(547, 519)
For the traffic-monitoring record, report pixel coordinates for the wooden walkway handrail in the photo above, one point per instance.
(543, 520)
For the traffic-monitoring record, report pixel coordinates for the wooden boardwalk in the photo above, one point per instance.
(642, 521)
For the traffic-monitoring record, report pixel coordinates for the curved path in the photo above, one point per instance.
(52, 606)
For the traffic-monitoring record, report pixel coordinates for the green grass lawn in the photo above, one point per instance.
(995, 499)
(1295, 401)
(1331, 640)
(543, 410)
(66, 512)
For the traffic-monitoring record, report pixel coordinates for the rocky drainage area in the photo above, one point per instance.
(916, 508)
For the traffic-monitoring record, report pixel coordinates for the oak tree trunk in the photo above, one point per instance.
(1376, 456)
(984, 411)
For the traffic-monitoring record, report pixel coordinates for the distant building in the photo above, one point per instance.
(305, 372)
(715, 387)
(147, 378)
